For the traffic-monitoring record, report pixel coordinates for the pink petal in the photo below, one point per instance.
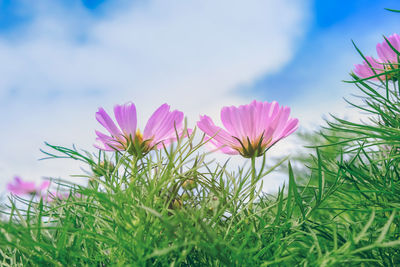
(218, 134)
(230, 120)
(385, 52)
(107, 143)
(212, 144)
(364, 70)
(126, 118)
(105, 120)
(267, 115)
(281, 121)
(291, 127)
(155, 120)
(162, 126)
(20, 187)
(167, 128)
(44, 185)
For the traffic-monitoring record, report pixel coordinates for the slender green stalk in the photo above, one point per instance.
(253, 181)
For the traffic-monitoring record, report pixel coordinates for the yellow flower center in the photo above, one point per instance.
(139, 136)
(249, 149)
(137, 145)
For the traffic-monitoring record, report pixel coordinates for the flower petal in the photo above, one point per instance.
(369, 68)
(105, 120)
(218, 134)
(126, 118)
(385, 52)
(20, 187)
(212, 144)
(232, 121)
(155, 120)
(107, 143)
(167, 128)
(162, 126)
(44, 185)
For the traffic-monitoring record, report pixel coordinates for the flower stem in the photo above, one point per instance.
(253, 181)
(135, 169)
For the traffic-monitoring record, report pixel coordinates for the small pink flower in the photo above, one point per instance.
(386, 53)
(250, 129)
(160, 129)
(369, 68)
(20, 187)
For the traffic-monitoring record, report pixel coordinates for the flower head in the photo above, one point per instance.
(160, 129)
(250, 129)
(20, 187)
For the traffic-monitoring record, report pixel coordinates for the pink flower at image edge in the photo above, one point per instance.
(385, 52)
(388, 59)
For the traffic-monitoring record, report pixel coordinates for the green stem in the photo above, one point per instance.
(253, 181)
(135, 170)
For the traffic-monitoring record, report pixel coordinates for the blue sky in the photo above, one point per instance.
(61, 60)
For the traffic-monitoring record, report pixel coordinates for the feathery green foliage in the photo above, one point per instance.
(175, 207)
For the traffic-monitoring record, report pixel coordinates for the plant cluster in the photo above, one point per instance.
(156, 199)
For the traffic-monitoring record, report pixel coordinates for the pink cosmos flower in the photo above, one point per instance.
(20, 187)
(388, 60)
(386, 53)
(250, 129)
(366, 70)
(160, 129)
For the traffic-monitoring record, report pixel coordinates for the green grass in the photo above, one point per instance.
(174, 207)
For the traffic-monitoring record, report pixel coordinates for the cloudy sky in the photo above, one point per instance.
(62, 59)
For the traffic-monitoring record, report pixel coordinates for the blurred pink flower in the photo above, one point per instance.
(366, 70)
(160, 129)
(386, 53)
(20, 187)
(250, 129)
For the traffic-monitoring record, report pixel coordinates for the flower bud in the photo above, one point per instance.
(103, 168)
(177, 204)
(189, 184)
(185, 197)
